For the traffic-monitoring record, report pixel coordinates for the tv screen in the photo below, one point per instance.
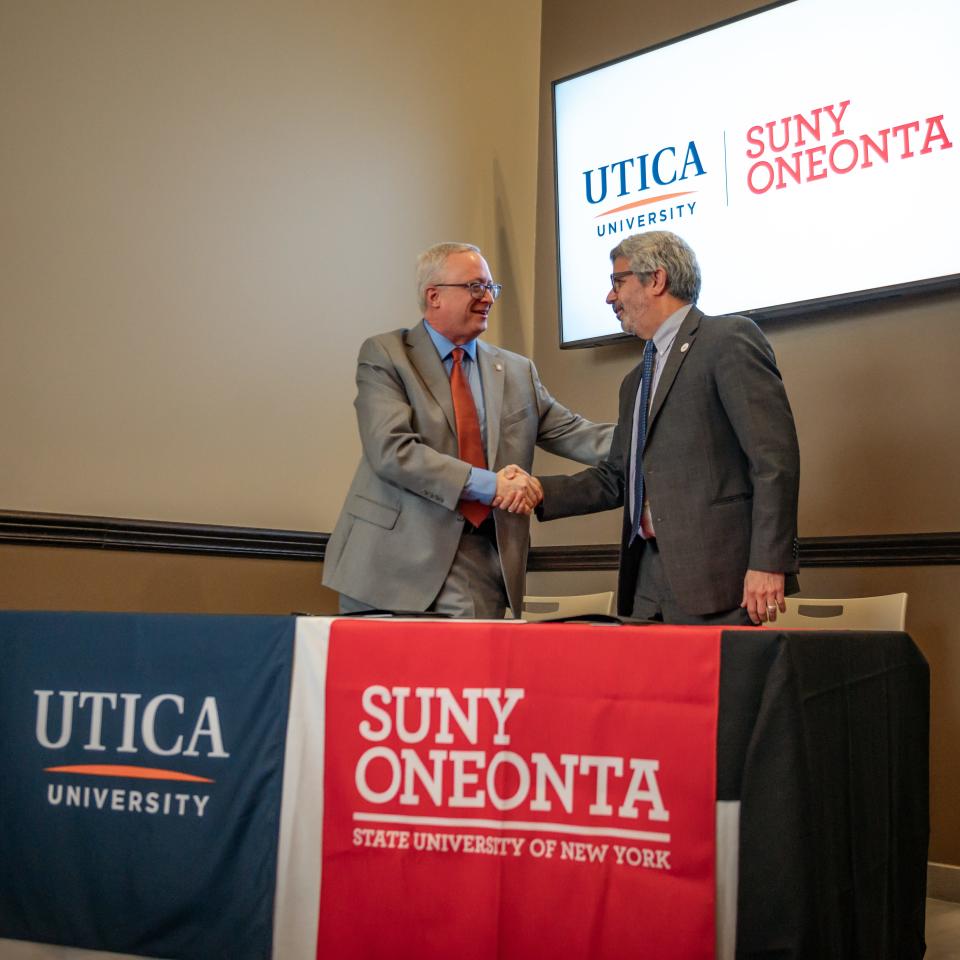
(809, 153)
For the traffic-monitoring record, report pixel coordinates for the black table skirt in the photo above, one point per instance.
(824, 739)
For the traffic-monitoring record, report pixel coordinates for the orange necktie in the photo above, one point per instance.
(469, 438)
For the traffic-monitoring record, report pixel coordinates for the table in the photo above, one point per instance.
(821, 778)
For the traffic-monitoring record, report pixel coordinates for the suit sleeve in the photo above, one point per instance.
(391, 445)
(753, 396)
(592, 490)
(567, 434)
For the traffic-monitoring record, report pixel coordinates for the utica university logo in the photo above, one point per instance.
(639, 175)
(197, 733)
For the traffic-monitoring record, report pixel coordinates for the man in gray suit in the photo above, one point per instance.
(402, 541)
(709, 477)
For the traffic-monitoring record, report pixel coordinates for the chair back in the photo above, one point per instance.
(847, 613)
(551, 608)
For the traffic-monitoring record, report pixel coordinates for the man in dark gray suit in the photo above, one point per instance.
(416, 532)
(704, 459)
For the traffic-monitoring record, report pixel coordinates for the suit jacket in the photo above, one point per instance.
(721, 468)
(399, 529)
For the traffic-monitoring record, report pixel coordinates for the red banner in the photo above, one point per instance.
(498, 790)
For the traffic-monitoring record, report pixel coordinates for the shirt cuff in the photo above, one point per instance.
(481, 485)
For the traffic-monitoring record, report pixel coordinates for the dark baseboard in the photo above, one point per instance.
(154, 536)
(588, 556)
(884, 550)
(890, 550)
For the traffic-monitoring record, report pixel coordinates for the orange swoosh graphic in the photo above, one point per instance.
(116, 770)
(643, 203)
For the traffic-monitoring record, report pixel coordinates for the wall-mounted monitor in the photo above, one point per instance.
(808, 152)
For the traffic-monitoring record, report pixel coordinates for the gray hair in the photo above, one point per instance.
(430, 266)
(659, 248)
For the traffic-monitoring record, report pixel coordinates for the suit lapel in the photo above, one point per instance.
(685, 335)
(491, 379)
(426, 361)
(628, 410)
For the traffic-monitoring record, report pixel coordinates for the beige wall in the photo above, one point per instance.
(51, 578)
(874, 392)
(207, 205)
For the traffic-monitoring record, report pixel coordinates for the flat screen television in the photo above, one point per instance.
(809, 152)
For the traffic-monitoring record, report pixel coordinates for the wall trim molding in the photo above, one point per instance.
(157, 536)
(883, 550)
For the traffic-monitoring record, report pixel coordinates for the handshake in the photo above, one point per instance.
(517, 491)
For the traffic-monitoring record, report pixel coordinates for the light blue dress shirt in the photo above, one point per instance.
(481, 484)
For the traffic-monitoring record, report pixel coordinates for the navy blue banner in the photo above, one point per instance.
(142, 763)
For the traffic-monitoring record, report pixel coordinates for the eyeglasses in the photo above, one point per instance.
(477, 288)
(617, 279)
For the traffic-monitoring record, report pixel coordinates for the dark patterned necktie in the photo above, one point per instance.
(469, 438)
(640, 436)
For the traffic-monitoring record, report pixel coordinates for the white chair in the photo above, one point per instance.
(847, 613)
(551, 608)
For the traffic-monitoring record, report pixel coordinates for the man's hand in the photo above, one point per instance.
(763, 595)
(517, 491)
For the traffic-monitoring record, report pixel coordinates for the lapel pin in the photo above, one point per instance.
(685, 348)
